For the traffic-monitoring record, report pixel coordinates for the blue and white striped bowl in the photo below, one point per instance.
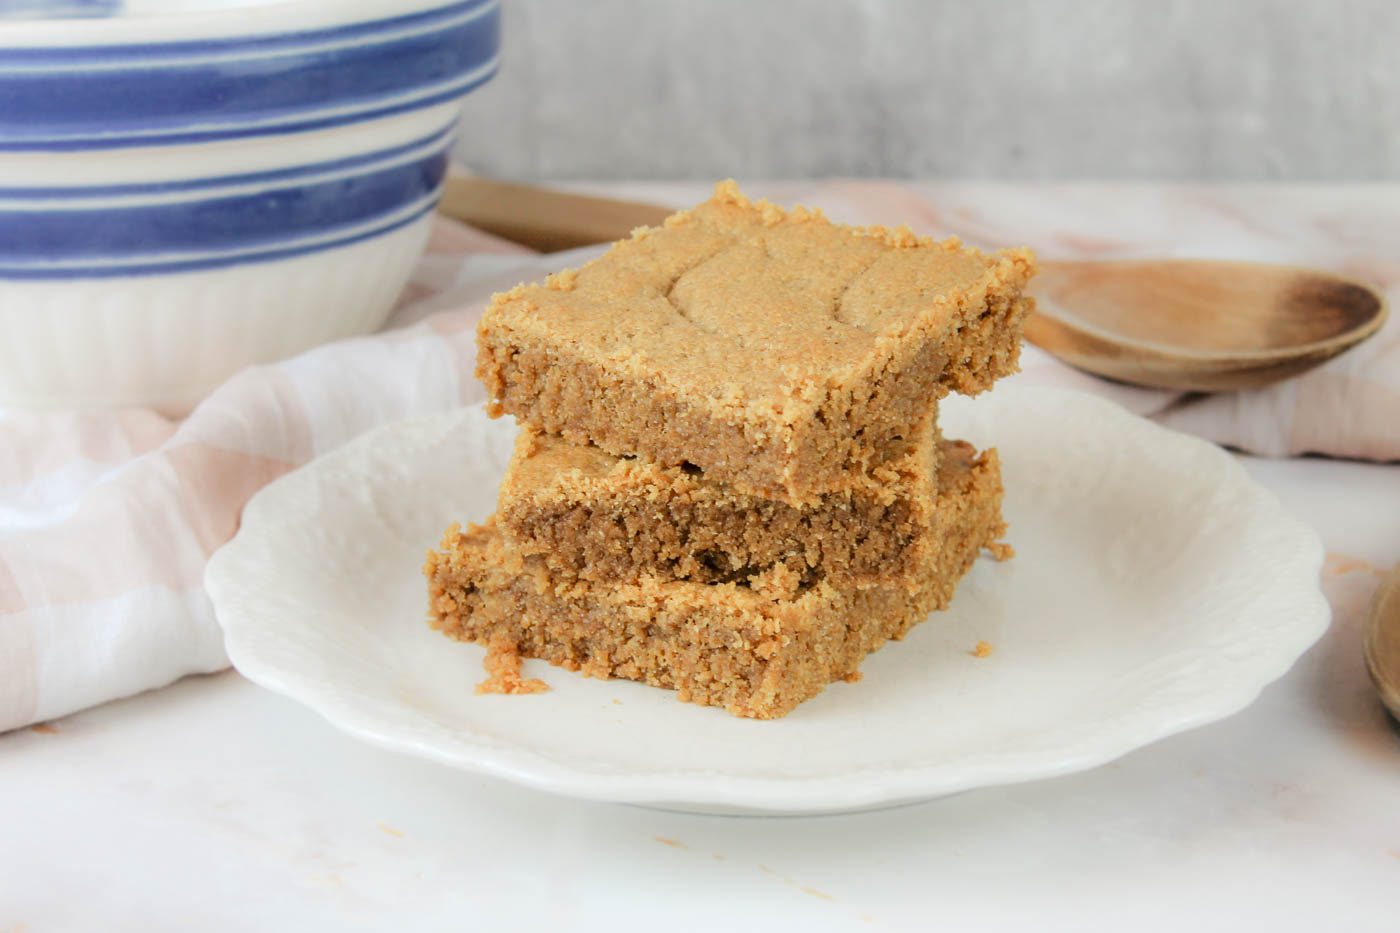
(191, 186)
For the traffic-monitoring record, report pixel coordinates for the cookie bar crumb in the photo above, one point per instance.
(502, 665)
(1001, 551)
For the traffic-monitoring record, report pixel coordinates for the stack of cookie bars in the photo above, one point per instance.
(729, 479)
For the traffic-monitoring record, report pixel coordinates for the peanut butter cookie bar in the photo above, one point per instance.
(774, 350)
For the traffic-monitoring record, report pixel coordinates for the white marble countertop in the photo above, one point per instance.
(215, 805)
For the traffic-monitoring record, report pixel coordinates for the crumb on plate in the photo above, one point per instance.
(502, 665)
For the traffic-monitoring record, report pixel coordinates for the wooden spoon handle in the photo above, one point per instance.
(540, 218)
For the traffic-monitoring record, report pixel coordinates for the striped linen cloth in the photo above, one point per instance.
(107, 520)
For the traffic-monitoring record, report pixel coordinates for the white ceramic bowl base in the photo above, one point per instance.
(1156, 588)
(166, 341)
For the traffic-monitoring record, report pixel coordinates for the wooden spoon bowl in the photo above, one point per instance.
(1383, 642)
(1198, 325)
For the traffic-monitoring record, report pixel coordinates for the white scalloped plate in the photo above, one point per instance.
(1156, 588)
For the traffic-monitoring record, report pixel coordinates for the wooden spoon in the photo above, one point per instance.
(1198, 325)
(1383, 642)
(540, 218)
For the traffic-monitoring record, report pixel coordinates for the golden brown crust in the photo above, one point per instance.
(775, 350)
(748, 649)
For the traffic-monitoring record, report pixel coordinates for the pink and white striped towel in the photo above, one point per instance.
(106, 520)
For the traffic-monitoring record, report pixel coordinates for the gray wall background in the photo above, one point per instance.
(1012, 89)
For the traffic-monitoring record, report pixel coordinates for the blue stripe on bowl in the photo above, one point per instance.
(69, 193)
(265, 128)
(285, 219)
(192, 99)
(175, 264)
(148, 53)
(59, 9)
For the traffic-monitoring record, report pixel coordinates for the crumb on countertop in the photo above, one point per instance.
(1340, 565)
(983, 650)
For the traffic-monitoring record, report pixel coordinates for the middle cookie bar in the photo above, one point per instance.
(594, 516)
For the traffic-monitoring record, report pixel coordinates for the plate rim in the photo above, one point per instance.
(1113, 737)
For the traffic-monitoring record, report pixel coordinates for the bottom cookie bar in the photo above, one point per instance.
(747, 648)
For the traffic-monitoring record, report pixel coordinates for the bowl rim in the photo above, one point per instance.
(226, 24)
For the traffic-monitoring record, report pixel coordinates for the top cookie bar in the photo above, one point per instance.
(778, 352)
